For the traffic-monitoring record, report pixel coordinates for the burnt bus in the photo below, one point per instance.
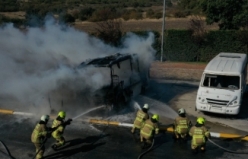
(124, 77)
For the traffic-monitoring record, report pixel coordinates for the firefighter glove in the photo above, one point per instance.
(52, 129)
(206, 138)
(68, 122)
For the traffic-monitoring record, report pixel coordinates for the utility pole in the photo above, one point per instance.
(162, 43)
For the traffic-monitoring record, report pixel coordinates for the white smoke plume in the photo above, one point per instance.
(37, 62)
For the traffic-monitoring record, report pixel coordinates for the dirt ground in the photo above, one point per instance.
(182, 65)
(177, 70)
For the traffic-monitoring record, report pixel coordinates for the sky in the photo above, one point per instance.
(39, 61)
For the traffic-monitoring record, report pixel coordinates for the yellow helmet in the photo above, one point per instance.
(200, 120)
(155, 116)
(62, 114)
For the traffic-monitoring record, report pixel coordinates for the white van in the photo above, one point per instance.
(222, 84)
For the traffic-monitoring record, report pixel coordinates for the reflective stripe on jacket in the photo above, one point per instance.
(140, 119)
(39, 133)
(182, 125)
(149, 128)
(198, 135)
(60, 128)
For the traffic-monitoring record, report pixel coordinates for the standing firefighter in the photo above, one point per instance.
(59, 125)
(40, 133)
(181, 125)
(200, 135)
(148, 131)
(141, 117)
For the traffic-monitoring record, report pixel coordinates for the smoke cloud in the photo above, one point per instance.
(37, 64)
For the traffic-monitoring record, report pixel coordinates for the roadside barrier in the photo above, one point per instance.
(170, 129)
(7, 111)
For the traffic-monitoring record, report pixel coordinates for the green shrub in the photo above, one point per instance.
(181, 46)
(85, 13)
(158, 15)
(180, 14)
(68, 18)
(131, 14)
(103, 14)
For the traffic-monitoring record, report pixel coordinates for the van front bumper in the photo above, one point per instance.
(218, 109)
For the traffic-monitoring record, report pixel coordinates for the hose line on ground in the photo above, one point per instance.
(227, 150)
(146, 150)
(102, 134)
(8, 152)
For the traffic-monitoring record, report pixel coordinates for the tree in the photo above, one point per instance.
(242, 19)
(68, 18)
(196, 25)
(110, 31)
(229, 14)
(85, 13)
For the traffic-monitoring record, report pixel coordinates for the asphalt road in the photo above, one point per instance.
(88, 141)
(182, 94)
(100, 141)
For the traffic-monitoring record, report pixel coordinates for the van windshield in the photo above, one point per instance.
(221, 81)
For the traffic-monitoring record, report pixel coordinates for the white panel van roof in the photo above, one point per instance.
(228, 63)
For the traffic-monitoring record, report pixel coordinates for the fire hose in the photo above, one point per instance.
(94, 121)
(227, 150)
(7, 150)
(150, 148)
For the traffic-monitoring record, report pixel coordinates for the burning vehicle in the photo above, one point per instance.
(125, 79)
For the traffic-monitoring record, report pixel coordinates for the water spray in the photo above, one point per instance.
(87, 112)
(136, 105)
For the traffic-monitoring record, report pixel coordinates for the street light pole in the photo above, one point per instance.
(162, 43)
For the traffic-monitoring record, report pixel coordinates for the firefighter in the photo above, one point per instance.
(148, 131)
(39, 136)
(59, 125)
(181, 126)
(141, 117)
(200, 135)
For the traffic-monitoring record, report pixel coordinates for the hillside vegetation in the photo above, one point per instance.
(193, 43)
(230, 14)
(89, 10)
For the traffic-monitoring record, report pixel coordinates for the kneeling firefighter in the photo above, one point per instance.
(141, 117)
(149, 130)
(59, 125)
(200, 135)
(181, 125)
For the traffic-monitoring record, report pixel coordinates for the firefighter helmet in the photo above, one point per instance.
(146, 106)
(181, 111)
(62, 114)
(200, 120)
(155, 116)
(44, 118)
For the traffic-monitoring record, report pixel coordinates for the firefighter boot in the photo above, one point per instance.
(54, 147)
(133, 130)
(175, 138)
(203, 149)
(194, 151)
